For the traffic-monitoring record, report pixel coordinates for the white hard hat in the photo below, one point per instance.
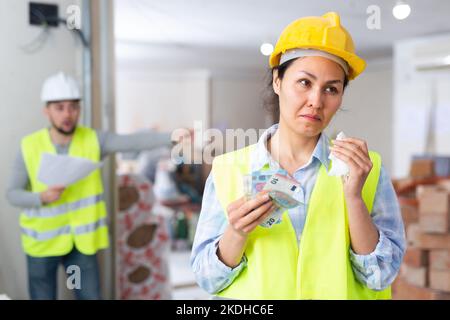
(60, 87)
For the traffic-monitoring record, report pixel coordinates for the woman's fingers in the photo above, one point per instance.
(254, 216)
(361, 143)
(356, 149)
(356, 166)
(254, 224)
(351, 158)
(254, 203)
(236, 204)
(242, 212)
(346, 158)
(355, 153)
(249, 204)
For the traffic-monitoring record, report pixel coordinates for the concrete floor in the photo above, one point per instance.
(182, 278)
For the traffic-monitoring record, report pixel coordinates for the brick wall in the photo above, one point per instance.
(425, 271)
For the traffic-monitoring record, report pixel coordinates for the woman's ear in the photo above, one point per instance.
(276, 82)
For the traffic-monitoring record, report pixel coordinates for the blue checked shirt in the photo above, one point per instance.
(376, 270)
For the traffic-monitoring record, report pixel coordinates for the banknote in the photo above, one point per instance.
(255, 182)
(283, 191)
(273, 218)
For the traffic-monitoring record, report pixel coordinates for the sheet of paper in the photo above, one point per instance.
(63, 170)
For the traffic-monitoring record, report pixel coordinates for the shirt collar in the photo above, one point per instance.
(261, 157)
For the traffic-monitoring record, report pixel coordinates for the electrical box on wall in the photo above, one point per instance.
(40, 13)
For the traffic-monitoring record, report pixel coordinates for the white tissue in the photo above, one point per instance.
(338, 167)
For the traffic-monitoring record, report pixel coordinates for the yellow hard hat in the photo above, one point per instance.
(319, 33)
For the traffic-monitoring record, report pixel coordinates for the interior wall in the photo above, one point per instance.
(416, 92)
(219, 86)
(176, 97)
(21, 78)
(237, 101)
(165, 100)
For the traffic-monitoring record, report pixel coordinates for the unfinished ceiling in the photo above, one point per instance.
(245, 25)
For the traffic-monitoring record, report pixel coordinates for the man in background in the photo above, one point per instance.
(66, 224)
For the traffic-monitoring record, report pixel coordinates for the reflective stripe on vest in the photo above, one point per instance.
(78, 217)
(90, 227)
(41, 236)
(46, 212)
(277, 267)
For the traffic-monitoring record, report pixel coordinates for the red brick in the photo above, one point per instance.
(421, 168)
(402, 290)
(440, 280)
(416, 257)
(412, 235)
(433, 241)
(434, 209)
(410, 214)
(440, 259)
(436, 201)
(434, 223)
(423, 190)
(400, 185)
(415, 276)
(445, 184)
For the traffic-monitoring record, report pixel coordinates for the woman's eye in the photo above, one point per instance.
(305, 82)
(332, 90)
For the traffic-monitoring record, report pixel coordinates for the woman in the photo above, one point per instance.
(347, 240)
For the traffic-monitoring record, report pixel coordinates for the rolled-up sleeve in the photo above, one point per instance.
(211, 273)
(378, 269)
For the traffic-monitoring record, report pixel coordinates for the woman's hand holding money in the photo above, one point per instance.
(243, 216)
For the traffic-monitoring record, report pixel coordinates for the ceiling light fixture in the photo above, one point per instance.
(266, 49)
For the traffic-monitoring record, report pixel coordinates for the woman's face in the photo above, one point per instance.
(310, 93)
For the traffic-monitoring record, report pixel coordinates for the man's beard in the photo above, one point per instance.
(64, 132)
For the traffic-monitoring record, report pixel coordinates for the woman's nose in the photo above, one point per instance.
(315, 99)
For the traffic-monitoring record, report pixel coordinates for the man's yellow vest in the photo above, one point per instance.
(277, 268)
(79, 216)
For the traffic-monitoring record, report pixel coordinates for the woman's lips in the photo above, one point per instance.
(310, 117)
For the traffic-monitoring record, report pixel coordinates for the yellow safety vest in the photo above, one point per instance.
(277, 268)
(79, 216)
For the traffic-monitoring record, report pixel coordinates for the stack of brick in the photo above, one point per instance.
(425, 271)
(142, 243)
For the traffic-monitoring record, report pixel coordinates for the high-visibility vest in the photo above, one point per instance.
(279, 268)
(79, 216)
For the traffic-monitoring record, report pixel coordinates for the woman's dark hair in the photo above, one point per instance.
(271, 101)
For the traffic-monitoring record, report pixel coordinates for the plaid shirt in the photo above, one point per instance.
(376, 270)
